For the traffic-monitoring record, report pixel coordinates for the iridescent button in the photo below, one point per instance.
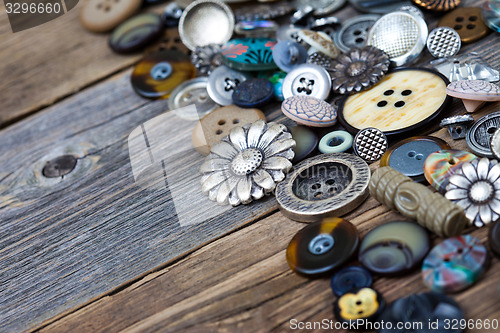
(191, 92)
(287, 55)
(354, 32)
(222, 82)
(443, 42)
(249, 54)
(455, 264)
(309, 111)
(335, 142)
(305, 142)
(136, 33)
(349, 279)
(253, 93)
(467, 22)
(359, 307)
(394, 248)
(307, 80)
(157, 74)
(408, 156)
(322, 246)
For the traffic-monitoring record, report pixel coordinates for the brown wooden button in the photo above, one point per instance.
(216, 125)
(467, 22)
(104, 15)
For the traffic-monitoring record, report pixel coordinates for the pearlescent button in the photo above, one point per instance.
(335, 142)
(288, 55)
(305, 142)
(135, 33)
(309, 111)
(190, 92)
(455, 264)
(349, 279)
(222, 82)
(307, 80)
(253, 93)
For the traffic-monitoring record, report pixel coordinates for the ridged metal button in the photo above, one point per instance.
(443, 42)
(307, 80)
(370, 144)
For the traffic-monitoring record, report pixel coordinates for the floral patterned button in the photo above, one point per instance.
(249, 54)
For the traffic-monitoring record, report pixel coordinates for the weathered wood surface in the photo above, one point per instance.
(76, 252)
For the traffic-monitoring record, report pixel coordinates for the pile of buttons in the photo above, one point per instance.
(351, 98)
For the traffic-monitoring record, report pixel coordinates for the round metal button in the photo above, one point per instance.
(401, 35)
(253, 93)
(206, 22)
(335, 142)
(370, 144)
(192, 92)
(378, 7)
(309, 111)
(287, 55)
(322, 246)
(354, 32)
(221, 84)
(307, 80)
(455, 264)
(467, 22)
(479, 136)
(408, 156)
(443, 42)
(349, 279)
(135, 33)
(324, 185)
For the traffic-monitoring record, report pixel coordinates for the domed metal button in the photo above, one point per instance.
(192, 92)
(354, 32)
(349, 279)
(307, 80)
(443, 42)
(222, 82)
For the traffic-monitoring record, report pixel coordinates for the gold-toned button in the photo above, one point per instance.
(437, 5)
(467, 22)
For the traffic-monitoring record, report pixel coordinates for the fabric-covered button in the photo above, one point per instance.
(494, 238)
(474, 93)
(322, 186)
(402, 101)
(306, 142)
(359, 306)
(455, 264)
(354, 32)
(222, 82)
(370, 144)
(190, 92)
(421, 310)
(479, 136)
(253, 93)
(206, 22)
(135, 33)
(157, 74)
(440, 165)
(349, 279)
(322, 246)
(219, 123)
(249, 54)
(287, 55)
(408, 156)
(394, 247)
(309, 111)
(335, 142)
(437, 5)
(443, 42)
(307, 80)
(104, 15)
(467, 22)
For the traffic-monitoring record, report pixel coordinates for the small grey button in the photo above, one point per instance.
(307, 80)
(354, 32)
(221, 84)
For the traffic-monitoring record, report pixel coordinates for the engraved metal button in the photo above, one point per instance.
(307, 80)
(443, 42)
(354, 32)
(370, 144)
(479, 136)
(222, 82)
(324, 185)
(457, 125)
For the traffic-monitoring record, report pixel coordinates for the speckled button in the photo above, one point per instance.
(222, 82)
(467, 22)
(307, 80)
(191, 92)
(135, 33)
(354, 32)
(288, 55)
(309, 111)
(157, 74)
(306, 141)
(474, 93)
(402, 101)
(217, 124)
(394, 247)
(335, 142)
(408, 156)
(322, 246)
(440, 165)
(104, 15)
(455, 264)
(249, 54)
(370, 144)
(349, 279)
(318, 41)
(253, 93)
(494, 238)
(359, 307)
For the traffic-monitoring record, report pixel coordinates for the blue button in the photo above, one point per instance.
(287, 55)
(349, 279)
(253, 93)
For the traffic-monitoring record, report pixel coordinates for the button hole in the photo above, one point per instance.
(459, 19)
(471, 26)
(406, 92)
(218, 132)
(381, 104)
(399, 104)
(388, 92)
(473, 18)
(236, 121)
(221, 122)
(457, 27)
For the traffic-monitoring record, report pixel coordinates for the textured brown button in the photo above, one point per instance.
(216, 125)
(104, 15)
(467, 22)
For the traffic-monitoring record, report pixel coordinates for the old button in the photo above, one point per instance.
(104, 15)
(217, 124)
(394, 247)
(309, 111)
(335, 142)
(157, 74)
(349, 279)
(408, 156)
(262, 11)
(437, 5)
(324, 185)
(455, 264)
(457, 125)
(479, 136)
(400, 35)
(396, 104)
(288, 55)
(359, 306)
(474, 93)
(494, 238)
(259, 28)
(440, 165)
(354, 32)
(249, 54)
(370, 144)
(322, 246)
(135, 33)
(321, 7)
(443, 42)
(222, 82)
(253, 93)
(467, 22)
(206, 22)
(192, 92)
(318, 41)
(307, 80)
(306, 142)
(378, 7)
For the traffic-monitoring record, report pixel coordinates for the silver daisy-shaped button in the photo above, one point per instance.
(247, 163)
(476, 188)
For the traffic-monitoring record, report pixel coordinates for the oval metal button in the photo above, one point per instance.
(222, 82)
(307, 80)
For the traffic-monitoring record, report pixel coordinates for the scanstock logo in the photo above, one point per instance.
(26, 14)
